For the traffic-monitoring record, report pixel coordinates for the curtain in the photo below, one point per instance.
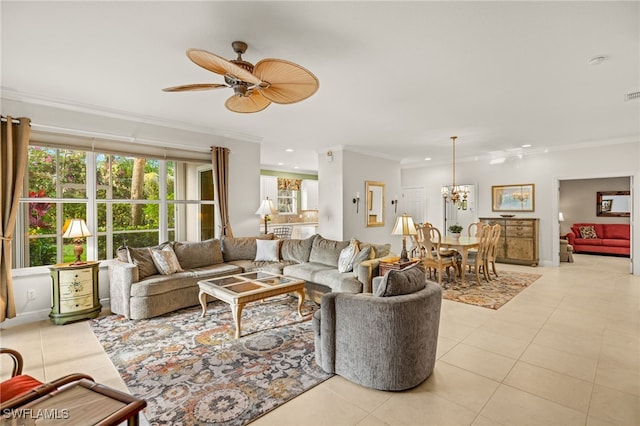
(220, 161)
(14, 146)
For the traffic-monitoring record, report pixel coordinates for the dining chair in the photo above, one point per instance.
(492, 253)
(434, 257)
(283, 232)
(475, 229)
(478, 259)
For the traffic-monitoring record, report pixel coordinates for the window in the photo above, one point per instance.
(128, 200)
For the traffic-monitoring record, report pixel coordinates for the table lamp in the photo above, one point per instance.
(266, 208)
(404, 226)
(76, 229)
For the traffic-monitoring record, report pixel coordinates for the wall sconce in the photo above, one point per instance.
(329, 156)
(356, 201)
(394, 203)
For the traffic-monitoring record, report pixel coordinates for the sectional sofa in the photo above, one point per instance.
(138, 289)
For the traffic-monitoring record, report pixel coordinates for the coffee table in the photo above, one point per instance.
(239, 289)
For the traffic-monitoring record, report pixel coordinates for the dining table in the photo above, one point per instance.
(462, 245)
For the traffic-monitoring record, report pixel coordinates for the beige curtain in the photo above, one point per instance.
(13, 163)
(220, 161)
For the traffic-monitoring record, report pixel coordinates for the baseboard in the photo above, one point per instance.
(35, 316)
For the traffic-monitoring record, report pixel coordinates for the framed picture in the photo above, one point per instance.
(613, 203)
(513, 198)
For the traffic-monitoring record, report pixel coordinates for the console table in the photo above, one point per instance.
(518, 240)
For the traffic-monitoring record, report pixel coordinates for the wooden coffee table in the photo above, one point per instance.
(239, 289)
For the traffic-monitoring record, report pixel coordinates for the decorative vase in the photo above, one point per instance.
(455, 235)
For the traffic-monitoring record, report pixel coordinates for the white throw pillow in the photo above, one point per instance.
(267, 250)
(345, 261)
(165, 260)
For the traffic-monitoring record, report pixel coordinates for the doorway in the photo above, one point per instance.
(577, 203)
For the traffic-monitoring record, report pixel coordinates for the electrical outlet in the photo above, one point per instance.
(31, 294)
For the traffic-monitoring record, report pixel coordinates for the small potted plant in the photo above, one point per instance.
(455, 230)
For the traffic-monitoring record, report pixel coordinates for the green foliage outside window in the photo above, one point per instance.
(58, 173)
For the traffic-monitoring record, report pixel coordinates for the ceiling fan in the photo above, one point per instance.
(254, 87)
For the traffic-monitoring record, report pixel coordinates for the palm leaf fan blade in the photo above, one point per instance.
(253, 102)
(190, 87)
(288, 82)
(219, 65)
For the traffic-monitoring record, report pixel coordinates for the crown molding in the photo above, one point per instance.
(63, 104)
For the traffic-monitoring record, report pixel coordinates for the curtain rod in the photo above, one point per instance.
(13, 120)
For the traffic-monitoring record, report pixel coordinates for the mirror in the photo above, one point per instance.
(375, 203)
(613, 203)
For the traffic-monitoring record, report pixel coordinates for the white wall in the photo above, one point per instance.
(340, 180)
(244, 186)
(543, 170)
(331, 195)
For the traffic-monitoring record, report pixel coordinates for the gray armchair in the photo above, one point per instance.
(386, 340)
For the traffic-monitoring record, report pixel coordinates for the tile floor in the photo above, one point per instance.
(565, 351)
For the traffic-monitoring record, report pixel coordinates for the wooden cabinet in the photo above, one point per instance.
(518, 240)
(75, 292)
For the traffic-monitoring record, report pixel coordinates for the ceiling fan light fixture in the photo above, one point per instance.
(240, 90)
(254, 87)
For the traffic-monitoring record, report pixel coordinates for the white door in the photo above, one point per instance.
(413, 203)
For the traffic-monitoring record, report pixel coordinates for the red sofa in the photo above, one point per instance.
(610, 238)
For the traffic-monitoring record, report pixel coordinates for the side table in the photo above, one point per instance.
(394, 266)
(75, 292)
(83, 403)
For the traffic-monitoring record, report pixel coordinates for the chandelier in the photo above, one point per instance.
(455, 194)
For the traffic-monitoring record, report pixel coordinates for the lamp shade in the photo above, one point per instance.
(266, 207)
(404, 226)
(560, 217)
(77, 228)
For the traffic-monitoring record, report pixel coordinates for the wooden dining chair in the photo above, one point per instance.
(434, 258)
(478, 259)
(475, 229)
(492, 253)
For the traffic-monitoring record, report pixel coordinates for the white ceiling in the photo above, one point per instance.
(397, 79)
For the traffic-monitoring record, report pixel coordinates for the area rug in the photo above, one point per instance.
(191, 371)
(493, 294)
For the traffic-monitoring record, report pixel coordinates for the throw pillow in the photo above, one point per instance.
(267, 251)
(588, 233)
(141, 257)
(361, 256)
(165, 260)
(405, 281)
(345, 260)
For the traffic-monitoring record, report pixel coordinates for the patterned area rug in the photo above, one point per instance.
(490, 295)
(191, 370)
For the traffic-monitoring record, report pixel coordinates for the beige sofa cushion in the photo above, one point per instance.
(197, 254)
(241, 248)
(326, 251)
(296, 250)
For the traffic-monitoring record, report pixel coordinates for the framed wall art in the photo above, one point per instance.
(513, 198)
